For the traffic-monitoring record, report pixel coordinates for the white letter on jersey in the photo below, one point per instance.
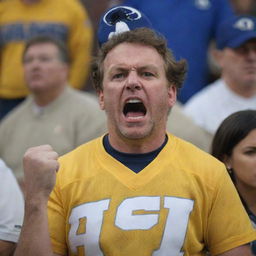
(90, 239)
(176, 226)
(127, 220)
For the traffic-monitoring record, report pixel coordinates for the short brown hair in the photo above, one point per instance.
(41, 39)
(175, 70)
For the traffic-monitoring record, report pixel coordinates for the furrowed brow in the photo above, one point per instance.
(117, 69)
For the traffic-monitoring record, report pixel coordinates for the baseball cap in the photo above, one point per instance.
(120, 19)
(235, 31)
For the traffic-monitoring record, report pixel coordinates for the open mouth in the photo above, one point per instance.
(134, 108)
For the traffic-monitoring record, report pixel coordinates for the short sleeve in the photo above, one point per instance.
(11, 205)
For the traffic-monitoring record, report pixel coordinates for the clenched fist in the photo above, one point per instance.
(40, 166)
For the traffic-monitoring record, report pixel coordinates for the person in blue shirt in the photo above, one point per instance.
(189, 26)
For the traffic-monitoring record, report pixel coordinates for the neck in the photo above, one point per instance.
(245, 90)
(248, 194)
(136, 146)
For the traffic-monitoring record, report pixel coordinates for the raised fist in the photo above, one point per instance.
(40, 166)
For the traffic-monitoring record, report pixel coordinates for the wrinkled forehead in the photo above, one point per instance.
(133, 55)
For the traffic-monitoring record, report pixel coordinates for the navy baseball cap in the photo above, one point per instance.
(235, 31)
(120, 19)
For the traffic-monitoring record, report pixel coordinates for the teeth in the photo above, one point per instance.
(133, 101)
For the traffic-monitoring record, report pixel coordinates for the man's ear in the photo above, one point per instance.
(101, 99)
(216, 57)
(172, 95)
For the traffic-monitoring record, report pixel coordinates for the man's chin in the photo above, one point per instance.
(35, 86)
(135, 133)
(38, 88)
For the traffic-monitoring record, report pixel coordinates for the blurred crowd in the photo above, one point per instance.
(47, 97)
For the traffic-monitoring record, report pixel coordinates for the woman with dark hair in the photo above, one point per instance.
(234, 144)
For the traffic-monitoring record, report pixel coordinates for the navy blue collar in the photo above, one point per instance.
(135, 162)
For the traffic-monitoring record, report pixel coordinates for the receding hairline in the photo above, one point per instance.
(140, 66)
(139, 44)
(44, 39)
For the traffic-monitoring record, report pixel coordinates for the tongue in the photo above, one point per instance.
(134, 114)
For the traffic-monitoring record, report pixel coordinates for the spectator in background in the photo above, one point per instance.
(184, 127)
(54, 113)
(236, 89)
(123, 18)
(11, 211)
(235, 144)
(23, 19)
(189, 27)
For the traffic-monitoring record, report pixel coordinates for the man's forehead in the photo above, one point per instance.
(138, 67)
(133, 55)
(131, 47)
(42, 47)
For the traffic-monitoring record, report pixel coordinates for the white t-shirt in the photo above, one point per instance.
(11, 205)
(209, 107)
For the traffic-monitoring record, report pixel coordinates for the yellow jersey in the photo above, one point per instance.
(181, 204)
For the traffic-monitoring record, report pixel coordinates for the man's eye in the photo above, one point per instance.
(241, 50)
(27, 60)
(148, 74)
(118, 76)
(40, 59)
(45, 58)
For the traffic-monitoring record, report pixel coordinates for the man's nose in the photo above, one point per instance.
(33, 62)
(133, 81)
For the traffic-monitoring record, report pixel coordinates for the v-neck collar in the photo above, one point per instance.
(126, 176)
